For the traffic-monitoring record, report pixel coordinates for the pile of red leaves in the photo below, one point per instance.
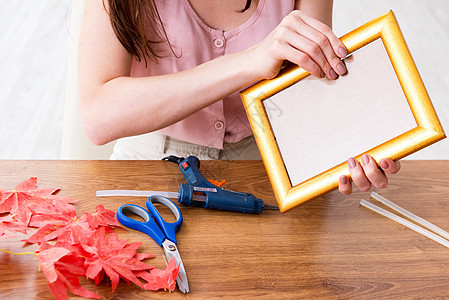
(84, 246)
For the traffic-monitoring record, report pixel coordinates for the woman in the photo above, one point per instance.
(164, 75)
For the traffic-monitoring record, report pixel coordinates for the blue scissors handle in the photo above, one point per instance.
(154, 224)
(168, 228)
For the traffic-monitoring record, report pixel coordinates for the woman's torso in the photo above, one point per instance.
(202, 30)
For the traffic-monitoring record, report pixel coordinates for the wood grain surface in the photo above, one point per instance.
(329, 247)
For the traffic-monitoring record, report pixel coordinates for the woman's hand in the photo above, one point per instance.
(304, 41)
(368, 174)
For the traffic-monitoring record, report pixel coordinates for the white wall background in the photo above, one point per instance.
(34, 38)
(34, 42)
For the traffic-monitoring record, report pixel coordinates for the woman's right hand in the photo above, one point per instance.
(303, 41)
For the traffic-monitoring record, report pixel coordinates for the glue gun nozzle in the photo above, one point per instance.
(270, 207)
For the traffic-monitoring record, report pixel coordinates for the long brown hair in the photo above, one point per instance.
(133, 22)
(139, 27)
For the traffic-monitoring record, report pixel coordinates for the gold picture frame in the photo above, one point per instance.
(428, 129)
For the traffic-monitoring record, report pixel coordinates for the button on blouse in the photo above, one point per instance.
(219, 42)
(219, 125)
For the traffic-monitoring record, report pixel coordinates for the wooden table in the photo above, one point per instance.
(330, 247)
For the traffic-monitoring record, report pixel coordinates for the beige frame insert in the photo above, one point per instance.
(428, 130)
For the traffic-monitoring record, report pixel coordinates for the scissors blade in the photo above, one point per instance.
(171, 250)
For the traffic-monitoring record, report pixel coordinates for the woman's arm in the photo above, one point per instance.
(115, 105)
(321, 10)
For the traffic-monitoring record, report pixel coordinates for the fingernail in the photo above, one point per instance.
(352, 163)
(343, 179)
(341, 69)
(343, 52)
(333, 74)
(365, 159)
(384, 164)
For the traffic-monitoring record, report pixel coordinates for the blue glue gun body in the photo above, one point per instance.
(199, 191)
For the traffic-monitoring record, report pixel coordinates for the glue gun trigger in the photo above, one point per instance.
(217, 183)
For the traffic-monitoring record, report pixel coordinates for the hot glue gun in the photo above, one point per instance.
(199, 191)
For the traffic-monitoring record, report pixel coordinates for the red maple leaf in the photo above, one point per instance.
(102, 217)
(108, 254)
(58, 213)
(17, 201)
(62, 269)
(160, 279)
(62, 224)
(8, 223)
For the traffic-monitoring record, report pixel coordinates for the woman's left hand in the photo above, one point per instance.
(368, 174)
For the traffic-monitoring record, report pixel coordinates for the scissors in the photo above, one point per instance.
(162, 232)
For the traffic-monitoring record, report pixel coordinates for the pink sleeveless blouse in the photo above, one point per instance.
(195, 42)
